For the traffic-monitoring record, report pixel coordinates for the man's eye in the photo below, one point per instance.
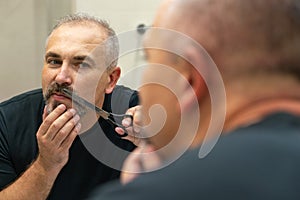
(84, 65)
(53, 62)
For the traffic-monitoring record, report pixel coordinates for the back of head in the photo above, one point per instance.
(245, 35)
(255, 45)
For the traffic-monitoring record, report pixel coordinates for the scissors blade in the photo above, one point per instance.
(81, 101)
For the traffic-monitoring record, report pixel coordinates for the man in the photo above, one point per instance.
(255, 45)
(41, 154)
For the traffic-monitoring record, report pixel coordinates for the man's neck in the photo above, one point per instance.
(254, 111)
(249, 100)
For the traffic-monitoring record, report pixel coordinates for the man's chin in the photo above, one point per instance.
(51, 105)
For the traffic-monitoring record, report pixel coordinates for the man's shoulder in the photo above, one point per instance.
(32, 97)
(245, 159)
(123, 90)
(121, 99)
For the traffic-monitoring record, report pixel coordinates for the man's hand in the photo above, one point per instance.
(143, 159)
(133, 127)
(55, 137)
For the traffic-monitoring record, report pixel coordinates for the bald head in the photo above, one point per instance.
(246, 33)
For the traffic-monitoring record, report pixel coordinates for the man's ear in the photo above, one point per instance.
(113, 77)
(196, 88)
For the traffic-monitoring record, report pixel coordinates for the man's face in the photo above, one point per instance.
(164, 82)
(69, 63)
(161, 109)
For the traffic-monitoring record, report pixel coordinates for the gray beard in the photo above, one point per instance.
(81, 111)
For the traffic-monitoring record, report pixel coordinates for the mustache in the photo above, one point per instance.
(55, 88)
(58, 88)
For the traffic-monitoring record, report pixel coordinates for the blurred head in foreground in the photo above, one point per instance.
(215, 66)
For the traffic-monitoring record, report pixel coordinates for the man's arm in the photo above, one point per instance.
(55, 136)
(35, 183)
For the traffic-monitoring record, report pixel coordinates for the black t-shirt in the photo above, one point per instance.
(20, 118)
(261, 161)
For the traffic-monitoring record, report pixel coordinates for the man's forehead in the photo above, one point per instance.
(78, 33)
(75, 26)
(77, 40)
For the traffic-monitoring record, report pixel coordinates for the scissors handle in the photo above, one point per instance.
(116, 121)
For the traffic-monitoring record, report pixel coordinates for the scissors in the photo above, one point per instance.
(108, 116)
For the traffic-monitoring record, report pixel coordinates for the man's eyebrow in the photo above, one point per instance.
(52, 54)
(87, 58)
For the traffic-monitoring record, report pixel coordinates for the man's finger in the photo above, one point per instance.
(50, 119)
(66, 130)
(59, 123)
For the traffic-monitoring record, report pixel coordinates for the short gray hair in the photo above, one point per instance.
(111, 42)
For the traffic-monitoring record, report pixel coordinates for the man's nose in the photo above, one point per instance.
(64, 75)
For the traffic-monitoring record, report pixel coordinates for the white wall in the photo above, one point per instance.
(24, 28)
(123, 15)
(18, 52)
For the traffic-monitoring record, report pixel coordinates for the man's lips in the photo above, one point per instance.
(59, 96)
